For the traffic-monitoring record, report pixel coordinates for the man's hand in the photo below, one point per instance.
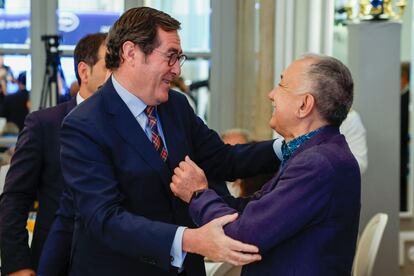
(23, 272)
(187, 178)
(210, 241)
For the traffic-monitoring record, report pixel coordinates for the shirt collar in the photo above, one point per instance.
(289, 148)
(79, 98)
(135, 105)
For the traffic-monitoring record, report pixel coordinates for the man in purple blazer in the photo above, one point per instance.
(35, 167)
(305, 219)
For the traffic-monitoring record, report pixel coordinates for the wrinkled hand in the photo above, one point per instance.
(187, 178)
(210, 241)
(23, 272)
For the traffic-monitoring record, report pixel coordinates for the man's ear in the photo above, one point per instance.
(307, 105)
(83, 71)
(128, 52)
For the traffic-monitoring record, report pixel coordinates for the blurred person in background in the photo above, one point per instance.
(6, 75)
(178, 84)
(15, 106)
(35, 171)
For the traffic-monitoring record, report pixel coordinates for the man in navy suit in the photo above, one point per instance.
(118, 152)
(35, 171)
(305, 219)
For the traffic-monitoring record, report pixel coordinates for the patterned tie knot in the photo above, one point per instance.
(149, 111)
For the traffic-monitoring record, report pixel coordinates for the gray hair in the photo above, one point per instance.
(333, 87)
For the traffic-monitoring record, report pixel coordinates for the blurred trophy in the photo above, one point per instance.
(348, 7)
(401, 5)
(380, 10)
(373, 10)
(364, 8)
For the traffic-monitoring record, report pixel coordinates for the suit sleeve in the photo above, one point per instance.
(89, 173)
(225, 162)
(55, 257)
(278, 211)
(18, 196)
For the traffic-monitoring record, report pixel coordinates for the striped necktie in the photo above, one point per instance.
(155, 136)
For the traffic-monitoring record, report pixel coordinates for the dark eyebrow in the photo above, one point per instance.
(174, 50)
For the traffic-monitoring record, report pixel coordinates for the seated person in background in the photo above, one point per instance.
(15, 106)
(247, 186)
(305, 219)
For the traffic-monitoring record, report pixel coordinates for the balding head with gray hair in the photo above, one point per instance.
(332, 86)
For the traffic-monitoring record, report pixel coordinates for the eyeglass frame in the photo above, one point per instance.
(181, 58)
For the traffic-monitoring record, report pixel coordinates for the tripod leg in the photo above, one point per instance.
(43, 96)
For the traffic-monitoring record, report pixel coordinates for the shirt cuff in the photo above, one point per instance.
(277, 147)
(177, 253)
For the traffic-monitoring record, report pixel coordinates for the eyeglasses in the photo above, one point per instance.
(173, 57)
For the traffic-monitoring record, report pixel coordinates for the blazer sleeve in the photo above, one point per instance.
(278, 211)
(88, 171)
(18, 196)
(55, 257)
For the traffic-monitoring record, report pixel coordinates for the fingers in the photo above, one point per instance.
(241, 247)
(191, 163)
(239, 258)
(178, 171)
(175, 179)
(184, 165)
(173, 188)
(225, 219)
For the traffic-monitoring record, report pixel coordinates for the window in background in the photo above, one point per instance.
(78, 18)
(18, 64)
(196, 73)
(15, 24)
(195, 41)
(68, 69)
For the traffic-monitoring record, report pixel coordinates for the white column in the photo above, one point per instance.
(374, 60)
(314, 26)
(302, 27)
(43, 21)
(223, 63)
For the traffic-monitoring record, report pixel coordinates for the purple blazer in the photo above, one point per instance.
(305, 219)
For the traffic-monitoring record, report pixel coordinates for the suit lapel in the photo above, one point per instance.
(129, 129)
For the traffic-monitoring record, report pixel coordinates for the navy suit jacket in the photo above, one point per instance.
(126, 215)
(305, 219)
(34, 173)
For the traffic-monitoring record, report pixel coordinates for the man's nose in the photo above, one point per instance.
(271, 94)
(176, 68)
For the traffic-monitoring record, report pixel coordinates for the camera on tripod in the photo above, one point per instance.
(50, 84)
(52, 48)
